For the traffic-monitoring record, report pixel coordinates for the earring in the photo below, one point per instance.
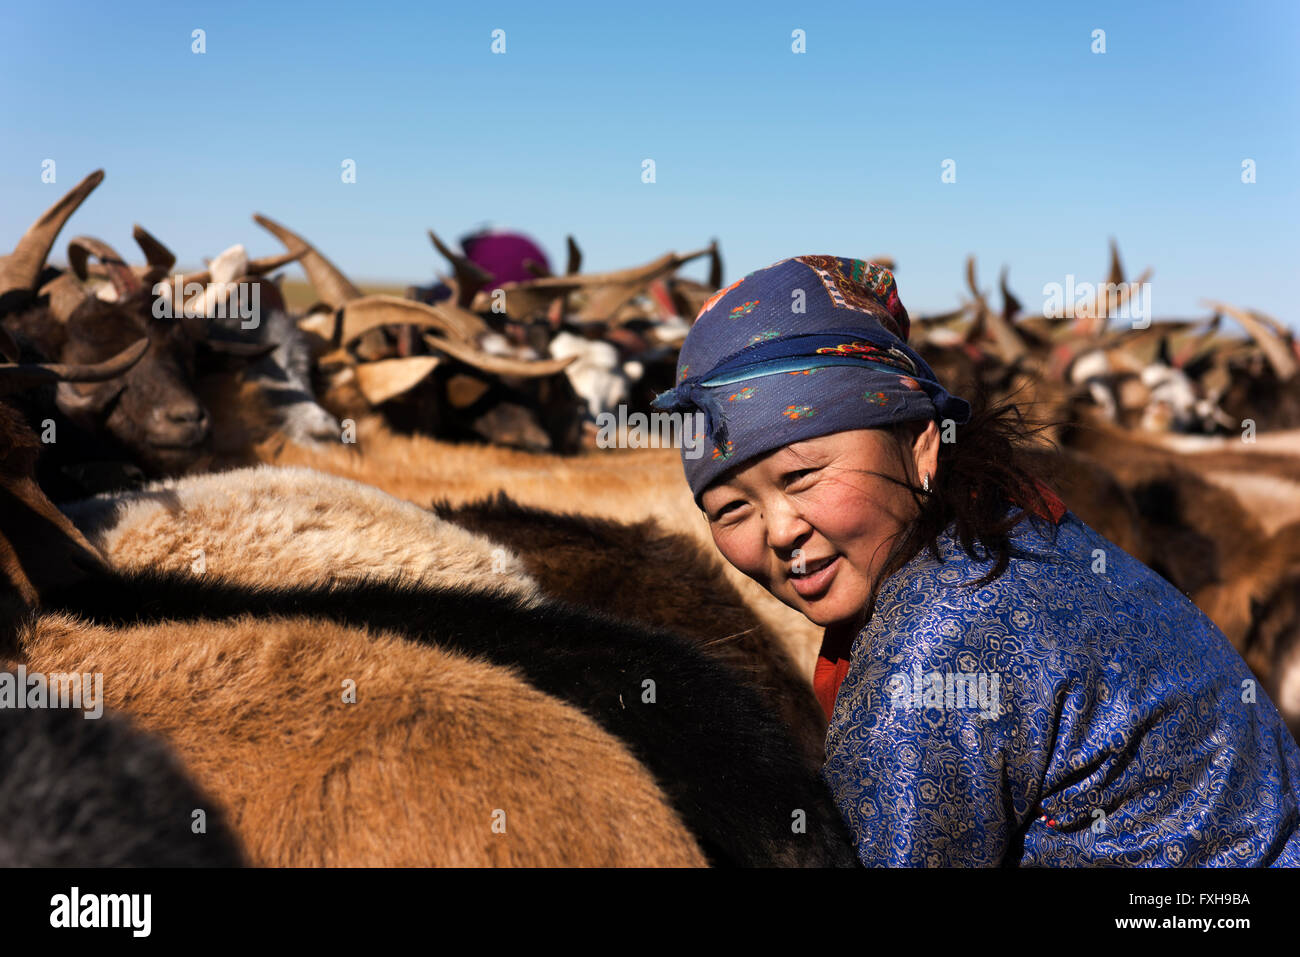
(925, 482)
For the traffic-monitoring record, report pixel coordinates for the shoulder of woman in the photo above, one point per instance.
(941, 611)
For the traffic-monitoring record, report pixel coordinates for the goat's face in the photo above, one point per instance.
(152, 410)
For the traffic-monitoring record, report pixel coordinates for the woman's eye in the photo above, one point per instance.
(729, 507)
(793, 477)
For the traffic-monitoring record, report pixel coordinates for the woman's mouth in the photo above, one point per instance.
(816, 576)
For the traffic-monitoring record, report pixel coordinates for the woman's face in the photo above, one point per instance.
(812, 524)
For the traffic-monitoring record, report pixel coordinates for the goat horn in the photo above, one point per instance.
(608, 290)
(575, 257)
(1116, 276)
(1274, 347)
(604, 301)
(268, 264)
(1009, 343)
(22, 267)
(971, 284)
(81, 248)
(498, 365)
(155, 253)
(369, 312)
(715, 265)
(1010, 304)
(470, 277)
(389, 378)
(14, 377)
(330, 284)
(1097, 316)
(942, 319)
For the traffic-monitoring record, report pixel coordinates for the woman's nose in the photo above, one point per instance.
(786, 528)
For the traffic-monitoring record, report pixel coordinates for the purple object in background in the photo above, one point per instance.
(502, 254)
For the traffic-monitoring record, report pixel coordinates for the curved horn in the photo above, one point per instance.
(715, 265)
(22, 267)
(158, 256)
(81, 248)
(368, 312)
(1274, 347)
(330, 284)
(575, 257)
(1010, 344)
(498, 365)
(389, 378)
(267, 264)
(14, 377)
(470, 277)
(1010, 304)
(977, 325)
(1116, 275)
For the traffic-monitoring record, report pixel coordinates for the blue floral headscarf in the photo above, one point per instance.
(806, 347)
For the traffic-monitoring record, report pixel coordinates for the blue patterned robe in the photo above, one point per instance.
(1068, 713)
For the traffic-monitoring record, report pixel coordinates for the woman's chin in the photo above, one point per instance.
(832, 608)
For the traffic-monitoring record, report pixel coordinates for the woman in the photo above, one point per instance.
(1004, 685)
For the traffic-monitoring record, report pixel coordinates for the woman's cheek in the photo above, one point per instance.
(736, 547)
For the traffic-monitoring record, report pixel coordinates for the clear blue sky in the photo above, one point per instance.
(837, 150)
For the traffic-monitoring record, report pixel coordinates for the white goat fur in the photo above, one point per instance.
(291, 526)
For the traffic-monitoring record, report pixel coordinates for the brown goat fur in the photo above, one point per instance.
(413, 773)
(1273, 646)
(637, 571)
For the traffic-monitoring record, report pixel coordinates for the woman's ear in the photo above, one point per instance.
(925, 450)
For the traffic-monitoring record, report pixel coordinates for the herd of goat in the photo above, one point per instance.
(362, 592)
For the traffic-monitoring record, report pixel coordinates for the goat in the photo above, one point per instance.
(150, 414)
(435, 759)
(285, 374)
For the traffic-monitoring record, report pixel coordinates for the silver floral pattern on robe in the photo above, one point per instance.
(1079, 710)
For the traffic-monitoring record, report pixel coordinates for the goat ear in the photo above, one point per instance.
(85, 403)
